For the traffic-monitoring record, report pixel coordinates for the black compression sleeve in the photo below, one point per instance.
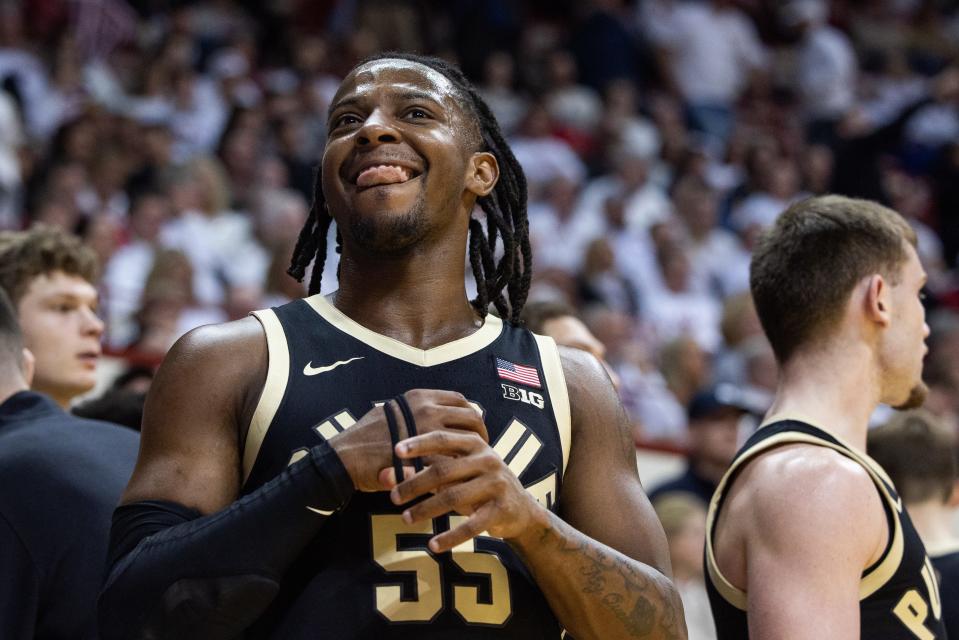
(174, 574)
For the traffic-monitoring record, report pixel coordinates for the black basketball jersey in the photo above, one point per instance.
(368, 574)
(946, 563)
(898, 595)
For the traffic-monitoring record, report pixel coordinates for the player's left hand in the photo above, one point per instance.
(467, 477)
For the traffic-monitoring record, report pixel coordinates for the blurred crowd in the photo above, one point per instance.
(659, 138)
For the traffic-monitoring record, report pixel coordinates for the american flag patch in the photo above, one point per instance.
(517, 373)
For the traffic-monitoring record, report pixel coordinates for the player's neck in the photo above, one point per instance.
(62, 397)
(12, 387)
(933, 522)
(419, 300)
(837, 390)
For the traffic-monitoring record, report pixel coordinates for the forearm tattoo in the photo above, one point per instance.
(642, 601)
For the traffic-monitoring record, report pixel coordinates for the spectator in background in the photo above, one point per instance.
(762, 370)
(718, 260)
(645, 203)
(921, 456)
(713, 437)
(827, 67)
(559, 321)
(499, 91)
(552, 217)
(709, 50)
(606, 46)
(169, 307)
(601, 282)
(156, 158)
(779, 187)
(50, 278)
(817, 168)
(678, 309)
(684, 520)
(210, 233)
(659, 396)
(60, 479)
(11, 142)
(575, 108)
(623, 126)
(738, 325)
(544, 156)
(863, 144)
(127, 270)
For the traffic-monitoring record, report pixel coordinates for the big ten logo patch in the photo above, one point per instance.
(522, 395)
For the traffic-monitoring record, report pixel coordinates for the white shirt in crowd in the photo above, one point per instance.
(123, 280)
(546, 159)
(222, 251)
(712, 51)
(674, 314)
(827, 71)
(720, 264)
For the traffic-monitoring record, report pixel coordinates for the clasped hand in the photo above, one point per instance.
(462, 474)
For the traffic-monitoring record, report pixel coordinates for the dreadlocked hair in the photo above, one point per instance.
(504, 283)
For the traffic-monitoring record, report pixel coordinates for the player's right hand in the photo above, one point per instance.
(365, 448)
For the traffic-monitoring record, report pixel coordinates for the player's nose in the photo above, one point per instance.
(377, 129)
(92, 324)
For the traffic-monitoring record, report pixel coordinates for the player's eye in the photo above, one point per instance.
(345, 120)
(416, 113)
(923, 295)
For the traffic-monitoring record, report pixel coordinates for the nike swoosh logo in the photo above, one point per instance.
(310, 370)
(321, 512)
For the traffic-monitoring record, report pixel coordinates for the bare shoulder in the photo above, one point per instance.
(213, 340)
(227, 359)
(807, 493)
(200, 404)
(225, 362)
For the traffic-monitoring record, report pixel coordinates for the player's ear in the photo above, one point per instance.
(28, 365)
(482, 173)
(877, 300)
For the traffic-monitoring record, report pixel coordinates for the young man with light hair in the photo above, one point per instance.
(49, 276)
(806, 535)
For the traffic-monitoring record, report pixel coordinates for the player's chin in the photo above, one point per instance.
(393, 230)
(915, 399)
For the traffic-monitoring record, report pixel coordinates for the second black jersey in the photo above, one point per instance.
(368, 574)
(898, 595)
(946, 563)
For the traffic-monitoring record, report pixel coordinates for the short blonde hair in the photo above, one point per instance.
(42, 250)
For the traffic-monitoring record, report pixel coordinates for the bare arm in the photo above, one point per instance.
(812, 521)
(603, 570)
(203, 393)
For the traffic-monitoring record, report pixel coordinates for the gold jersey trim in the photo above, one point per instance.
(480, 339)
(274, 388)
(869, 583)
(558, 393)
